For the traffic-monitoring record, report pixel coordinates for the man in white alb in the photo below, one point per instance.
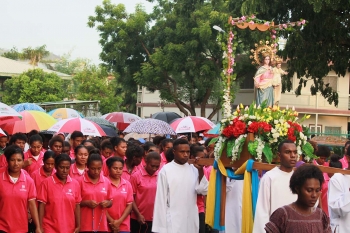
(274, 191)
(175, 208)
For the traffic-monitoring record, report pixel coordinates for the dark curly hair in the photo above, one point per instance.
(303, 173)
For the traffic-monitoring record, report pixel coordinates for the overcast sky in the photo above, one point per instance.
(59, 24)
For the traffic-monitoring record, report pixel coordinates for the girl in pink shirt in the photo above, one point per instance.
(78, 168)
(134, 155)
(48, 169)
(165, 145)
(144, 185)
(59, 200)
(56, 145)
(96, 197)
(33, 158)
(17, 194)
(119, 150)
(106, 149)
(119, 214)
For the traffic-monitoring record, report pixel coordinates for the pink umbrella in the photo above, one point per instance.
(191, 124)
(121, 119)
(80, 124)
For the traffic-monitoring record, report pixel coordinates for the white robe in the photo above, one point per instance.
(339, 202)
(175, 208)
(233, 207)
(274, 192)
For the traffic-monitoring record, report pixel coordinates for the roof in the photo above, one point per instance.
(9, 67)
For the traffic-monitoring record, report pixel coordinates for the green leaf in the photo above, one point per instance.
(222, 147)
(229, 147)
(268, 153)
(252, 146)
(213, 140)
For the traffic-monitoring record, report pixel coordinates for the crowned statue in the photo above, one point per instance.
(264, 76)
(277, 80)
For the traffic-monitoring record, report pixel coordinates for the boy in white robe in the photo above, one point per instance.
(175, 208)
(339, 202)
(274, 191)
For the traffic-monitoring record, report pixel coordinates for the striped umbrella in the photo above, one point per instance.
(27, 106)
(30, 120)
(191, 124)
(149, 126)
(121, 119)
(65, 113)
(80, 124)
(8, 114)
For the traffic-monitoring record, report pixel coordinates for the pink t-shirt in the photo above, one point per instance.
(36, 164)
(126, 174)
(14, 199)
(207, 170)
(60, 203)
(39, 176)
(74, 172)
(344, 162)
(122, 195)
(144, 188)
(163, 160)
(200, 203)
(71, 153)
(94, 219)
(3, 161)
(324, 193)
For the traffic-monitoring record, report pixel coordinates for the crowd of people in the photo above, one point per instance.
(114, 185)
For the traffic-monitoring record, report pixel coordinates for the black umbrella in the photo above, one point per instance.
(166, 116)
(110, 132)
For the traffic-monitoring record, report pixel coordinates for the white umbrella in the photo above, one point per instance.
(191, 124)
(8, 114)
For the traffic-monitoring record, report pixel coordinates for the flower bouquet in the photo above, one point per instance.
(270, 126)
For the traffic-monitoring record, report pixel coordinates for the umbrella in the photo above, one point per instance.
(109, 131)
(27, 106)
(8, 114)
(30, 120)
(2, 133)
(215, 130)
(191, 124)
(65, 113)
(121, 119)
(150, 126)
(137, 136)
(100, 121)
(80, 124)
(166, 116)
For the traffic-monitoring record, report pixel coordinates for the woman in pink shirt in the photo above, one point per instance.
(344, 160)
(119, 214)
(56, 145)
(78, 168)
(134, 155)
(119, 147)
(96, 197)
(59, 200)
(165, 145)
(144, 185)
(106, 149)
(48, 169)
(17, 194)
(33, 158)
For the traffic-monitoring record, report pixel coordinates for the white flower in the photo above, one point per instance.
(273, 130)
(249, 122)
(301, 135)
(252, 117)
(245, 115)
(275, 135)
(299, 150)
(275, 122)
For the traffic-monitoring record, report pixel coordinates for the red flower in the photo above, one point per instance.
(235, 129)
(294, 127)
(259, 127)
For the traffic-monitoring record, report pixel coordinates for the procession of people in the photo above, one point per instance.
(151, 187)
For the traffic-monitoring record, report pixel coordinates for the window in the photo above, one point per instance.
(313, 129)
(332, 81)
(332, 129)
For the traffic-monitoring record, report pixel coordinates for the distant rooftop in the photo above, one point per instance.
(9, 67)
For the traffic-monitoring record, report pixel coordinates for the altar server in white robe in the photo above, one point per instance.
(175, 208)
(274, 191)
(233, 207)
(339, 201)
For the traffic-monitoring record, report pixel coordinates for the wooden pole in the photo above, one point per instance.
(266, 166)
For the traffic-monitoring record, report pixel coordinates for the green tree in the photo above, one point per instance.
(12, 54)
(179, 55)
(94, 85)
(321, 46)
(68, 66)
(33, 86)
